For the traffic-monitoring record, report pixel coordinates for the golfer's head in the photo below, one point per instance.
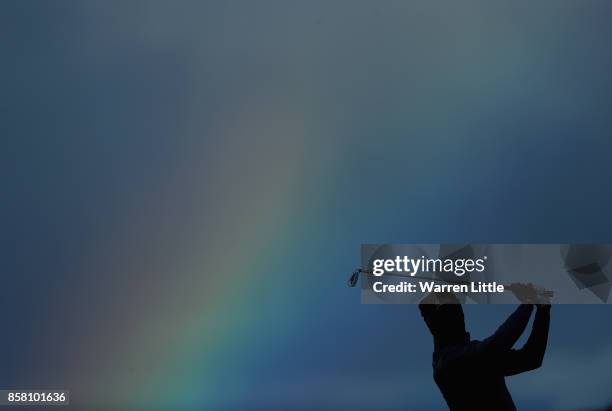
(443, 316)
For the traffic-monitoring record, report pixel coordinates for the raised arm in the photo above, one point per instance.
(508, 333)
(531, 355)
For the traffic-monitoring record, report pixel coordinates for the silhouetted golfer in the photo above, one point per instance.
(470, 373)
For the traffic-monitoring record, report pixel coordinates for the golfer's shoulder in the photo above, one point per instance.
(452, 357)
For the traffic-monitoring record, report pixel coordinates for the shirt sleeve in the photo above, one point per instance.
(531, 355)
(493, 348)
(506, 335)
(491, 352)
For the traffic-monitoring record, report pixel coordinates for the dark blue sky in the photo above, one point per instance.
(160, 159)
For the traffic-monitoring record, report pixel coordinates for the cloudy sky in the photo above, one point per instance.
(186, 186)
